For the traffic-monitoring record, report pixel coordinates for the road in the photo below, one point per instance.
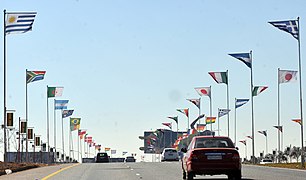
(147, 171)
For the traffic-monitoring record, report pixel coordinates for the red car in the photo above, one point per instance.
(211, 155)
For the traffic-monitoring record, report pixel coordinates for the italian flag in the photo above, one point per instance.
(55, 91)
(258, 89)
(219, 77)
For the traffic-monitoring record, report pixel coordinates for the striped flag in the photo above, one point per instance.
(19, 22)
(263, 132)
(219, 77)
(244, 57)
(168, 125)
(184, 111)
(201, 127)
(240, 102)
(204, 91)
(243, 142)
(250, 137)
(195, 102)
(289, 26)
(35, 76)
(175, 118)
(210, 120)
(280, 128)
(258, 89)
(60, 104)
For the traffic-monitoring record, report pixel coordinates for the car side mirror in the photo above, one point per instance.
(237, 148)
(184, 150)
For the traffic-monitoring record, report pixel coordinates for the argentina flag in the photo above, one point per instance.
(60, 104)
(19, 22)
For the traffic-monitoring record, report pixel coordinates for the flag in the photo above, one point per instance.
(263, 132)
(192, 131)
(107, 149)
(82, 133)
(258, 89)
(243, 142)
(19, 22)
(113, 151)
(280, 128)
(297, 121)
(175, 118)
(85, 136)
(210, 120)
(201, 127)
(195, 102)
(184, 111)
(223, 112)
(60, 104)
(244, 57)
(67, 113)
(250, 137)
(289, 26)
(168, 125)
(240, 102)
(219, 77)
(55, 91)
(195, 121)
(35, 76)
(285, 76)
(204, 91)
(75, 123)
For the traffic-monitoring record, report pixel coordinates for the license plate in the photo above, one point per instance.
(170, 154)
(214, 157)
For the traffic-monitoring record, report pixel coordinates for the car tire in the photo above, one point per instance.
(236, 176)
(190, 176)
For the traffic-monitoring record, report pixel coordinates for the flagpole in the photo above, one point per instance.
(278, 113)
(177, 128)
(48, 146)
(253, 137)
(171, 134)
(218, 123)
(235, 122)
(54, 116)
(210, 111)
(26, 117)
(228, 120)
(81, 149)
(78, 145)
(63, 140)
(4, 90)
(301, 107)
(69, 141)
(266, 141)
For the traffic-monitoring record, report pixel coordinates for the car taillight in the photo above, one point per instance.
(236, 157)
(193, 157)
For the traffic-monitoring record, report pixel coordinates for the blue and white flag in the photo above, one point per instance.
(223, 112)
(19, 22)
(240, 102)
(244, 57)
(290, 26)
(67, 113)
(60, 104)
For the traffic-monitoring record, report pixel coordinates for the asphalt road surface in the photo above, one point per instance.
(147, 171)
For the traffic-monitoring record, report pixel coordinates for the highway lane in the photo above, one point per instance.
(147, 171)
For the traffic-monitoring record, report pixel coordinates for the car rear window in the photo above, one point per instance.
(214, 143)
(102, 155)
(171, 150)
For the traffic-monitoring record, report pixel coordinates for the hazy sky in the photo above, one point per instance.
(127, 65)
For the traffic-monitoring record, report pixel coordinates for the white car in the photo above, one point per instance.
(169, 154)
(266, 161)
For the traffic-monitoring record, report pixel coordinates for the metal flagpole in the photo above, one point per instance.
(48, 143)
(27, 157)
(210, 111)
(78, 145)
(266, 141)
(301, 107)
(278, 115)
(63, 140)
(228, 120)
(54, 116)
(171, 134)
(177, 127)
(218, 123)
(235, 122)
(69, 141)
(4, 90)
(81, 149)
(253, 136)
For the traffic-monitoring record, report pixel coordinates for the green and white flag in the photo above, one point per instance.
(55, 91)
(219, 77)
(258, 89)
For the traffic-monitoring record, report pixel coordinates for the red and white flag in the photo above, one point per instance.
(285, 76)
(203, 91)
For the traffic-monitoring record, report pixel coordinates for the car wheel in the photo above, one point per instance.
(190, 176)
(236, 176)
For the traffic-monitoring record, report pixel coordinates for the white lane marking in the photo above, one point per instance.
(137, 174)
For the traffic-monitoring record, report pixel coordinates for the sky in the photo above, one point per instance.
(127, 65)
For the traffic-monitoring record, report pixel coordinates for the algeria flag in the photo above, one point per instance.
(219, 77)
(285, 76)
(55, 91)
(204, 91)
(258, 89)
